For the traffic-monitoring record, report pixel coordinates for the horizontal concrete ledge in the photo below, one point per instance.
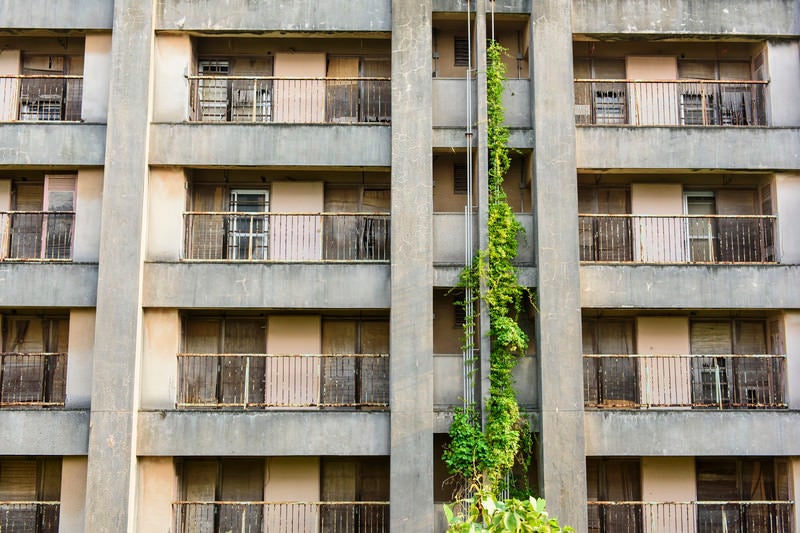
(686, 17)
(274, 15)
(264, 286)
(44, 432)
(692, 433)
(501, 6)
(646, 147)
(690, 286)
(225, 144)
(57, 14)
(52, 144)
(521, 139)
(446, 275)
(225, 433)
(48, 284)
(443, 417)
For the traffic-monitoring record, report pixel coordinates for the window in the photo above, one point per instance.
(29, 488)
(609, 381)
(42, 218)
(460, 51)
(604, 238)
(357, 236)
(728, 104)
(614, 480)
(350, 480)
(459, 178)
(49, 95)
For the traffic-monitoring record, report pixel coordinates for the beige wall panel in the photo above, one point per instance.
(9, 89)
(653, 103)
(668, 479)
(296, 237)
(173, 57)
(293, 380)
(79, 358)
(658, 239)
(792, 331)
(664, 381)
(299, 101)
(73, 495)
(155, 495)
(166, 203)
(5, 195)
(787, 198)
(162, 342)
(293, 479)
(96, 75)
(88, 208)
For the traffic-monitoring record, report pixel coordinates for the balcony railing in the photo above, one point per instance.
(265, 380)
(710, 381)
(40, 97)
(36, 235)
(669, 239)
(38, 517)
(670, 102)
(290, 100)
(281, 517)
(33, 379)
(691, 517)
(281, 237)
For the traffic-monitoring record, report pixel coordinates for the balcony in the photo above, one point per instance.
(618, 102)
(692, 517)
(703, 239)
(32, 516)
(33, 379)
(36, 235)
(684, 381)
(40, 98)
(287, 237)
(299, 381)
(281, 100)
(331, 517)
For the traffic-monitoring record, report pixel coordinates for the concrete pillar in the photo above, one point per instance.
(162, 342)
(155, 494)
(411, 359)
(96, 72)
(562, 462)
(79, 359)
(73, 495)
(88, 210)
(111, 477)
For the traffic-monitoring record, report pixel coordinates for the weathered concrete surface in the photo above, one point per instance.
(449, 241)
(692, 433)
(270, 144)
(701, 287)
(284, 285)
(449, 110)
(501, 6)
(275, 15)
(48, 284)
(411, 315)
(52, 144)
(57, 14)
(688, 148)
(687, 17)
(262, 433)
(44, 432)
(562, 463)
(519, 138)
(447, 275)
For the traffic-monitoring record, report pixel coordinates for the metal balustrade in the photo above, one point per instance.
(36, 235)
(29, 516)
(691, 517)
(302, 237)
(277, 100)
(40, 97)
(33, 379)
(710, 381)
(287, 380)
(280, 517)
(665, 239)
(670, 102)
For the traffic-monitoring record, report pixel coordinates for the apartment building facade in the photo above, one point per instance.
(229, 230)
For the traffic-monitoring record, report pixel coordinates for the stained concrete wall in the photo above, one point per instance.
(88, 208)
(787, 203)
(96, 75)
(58, 145)
(161, 343)
(156, 492)
(58, 14)
(173, 62)
(448, 239)
(791, 327)
(48, 285)
(292, 479)
(165, 207)
(783, 59)
(73, 494)
(501, 6)
(80, 356)
(37, 432)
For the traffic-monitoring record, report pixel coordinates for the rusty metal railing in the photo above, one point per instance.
(26, 516)
(710, 381)
(36, 235)
(286, 380)
(670, 102)
(692, 517)
(669, 239)
(33, 379)
(40, 97)
(281, 517)
(280, 237)
(290, 100)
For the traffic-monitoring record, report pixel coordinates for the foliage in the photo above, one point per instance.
(486, 514)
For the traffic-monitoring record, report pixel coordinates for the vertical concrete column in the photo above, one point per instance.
(411, 358)
(111, 476)
(562, 462)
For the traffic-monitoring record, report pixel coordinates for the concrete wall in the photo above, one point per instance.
(88, 207)
(787, 203)
(783, 59)
(73, 494)
(48, 285)
(79, 362)
(173, 62)
(58, 145)
(791, 325)
(291, 479)
(165, 206)
(38, 432)
(502, 6)
(448, 239)
(96, 75)
(155, 494)
(162, 342)
(58, 14)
